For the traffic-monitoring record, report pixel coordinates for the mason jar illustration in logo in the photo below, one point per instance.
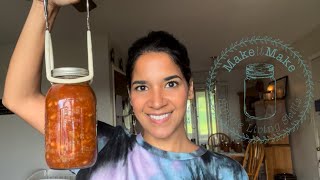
(259, 72)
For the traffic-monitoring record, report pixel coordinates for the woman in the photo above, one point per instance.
(159, 86)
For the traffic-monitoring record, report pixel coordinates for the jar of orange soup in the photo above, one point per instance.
(70, 127)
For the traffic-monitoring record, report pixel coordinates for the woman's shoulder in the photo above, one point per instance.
(227, 166)
(114, 144)
(104, 129)
(107, 132)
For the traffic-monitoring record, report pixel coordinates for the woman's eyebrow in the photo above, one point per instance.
(171, 77)
(139, 82)
(165, 79)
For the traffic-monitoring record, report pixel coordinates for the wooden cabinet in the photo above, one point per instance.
(252, 96)
(277, 159)
(277, 154)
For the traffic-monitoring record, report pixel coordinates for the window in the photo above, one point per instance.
(200, 118)
(188, 121)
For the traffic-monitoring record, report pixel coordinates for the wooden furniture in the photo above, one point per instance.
(252, 96)
(215, 140)
(278, 158)
(234, 155)
(277, 154)
(253, 158)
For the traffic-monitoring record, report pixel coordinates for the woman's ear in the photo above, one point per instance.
(190, 91)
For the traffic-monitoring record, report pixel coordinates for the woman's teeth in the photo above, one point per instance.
(160, 117)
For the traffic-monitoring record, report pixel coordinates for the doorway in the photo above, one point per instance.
(200, 121)
(315, 65)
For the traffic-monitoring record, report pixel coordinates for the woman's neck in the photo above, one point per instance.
(177, 142)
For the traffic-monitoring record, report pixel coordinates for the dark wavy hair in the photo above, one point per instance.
(159, 41)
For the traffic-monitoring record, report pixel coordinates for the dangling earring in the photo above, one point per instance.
(130, 107)
(133, 120)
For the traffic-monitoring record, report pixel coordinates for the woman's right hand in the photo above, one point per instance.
(56, 4)
(59, 3)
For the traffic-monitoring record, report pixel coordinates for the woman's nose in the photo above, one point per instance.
(157, 99)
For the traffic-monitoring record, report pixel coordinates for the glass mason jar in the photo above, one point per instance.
(263, 72)
(70, 126)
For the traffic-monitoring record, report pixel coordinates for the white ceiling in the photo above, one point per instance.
(206, 27)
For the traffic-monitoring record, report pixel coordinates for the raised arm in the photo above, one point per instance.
(22, 93)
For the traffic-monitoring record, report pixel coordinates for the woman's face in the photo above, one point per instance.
(159, 94)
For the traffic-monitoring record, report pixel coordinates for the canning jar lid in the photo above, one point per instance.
(69, 72)
(259, 70)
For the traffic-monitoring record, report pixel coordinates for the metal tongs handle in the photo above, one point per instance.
(49, 60)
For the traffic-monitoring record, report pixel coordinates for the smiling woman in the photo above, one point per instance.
(159, 83)
(159, 88)
(159, 100)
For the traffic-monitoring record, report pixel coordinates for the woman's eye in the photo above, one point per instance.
(172, 84)
(141, 88)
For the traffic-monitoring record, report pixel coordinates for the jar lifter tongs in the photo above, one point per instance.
(49, 52)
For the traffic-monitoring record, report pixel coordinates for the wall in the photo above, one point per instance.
(303, 140)
(22, 147)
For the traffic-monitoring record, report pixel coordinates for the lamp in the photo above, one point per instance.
(270, 87)
(270, 92)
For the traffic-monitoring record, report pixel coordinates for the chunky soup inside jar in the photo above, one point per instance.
(70, 132)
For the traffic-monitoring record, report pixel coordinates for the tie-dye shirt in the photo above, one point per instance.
(129, 157)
